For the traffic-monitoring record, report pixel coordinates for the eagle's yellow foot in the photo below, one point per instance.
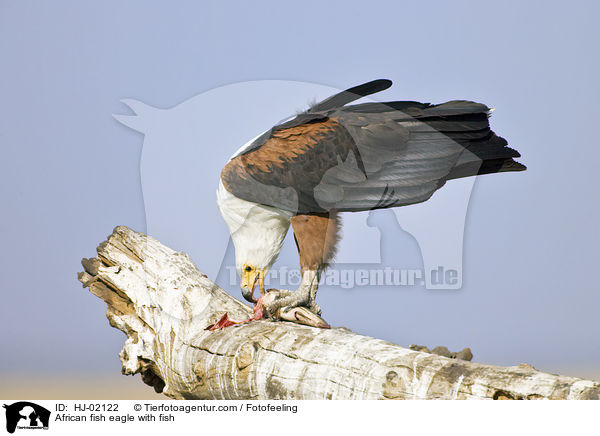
(273, 298)
(290, 306)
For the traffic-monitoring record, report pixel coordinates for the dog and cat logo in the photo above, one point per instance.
(26, 415)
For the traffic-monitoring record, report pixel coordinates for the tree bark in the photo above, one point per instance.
(160, 300)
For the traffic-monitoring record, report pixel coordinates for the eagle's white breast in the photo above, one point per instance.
(257, 231)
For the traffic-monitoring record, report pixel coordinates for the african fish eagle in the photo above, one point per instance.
(335, 158)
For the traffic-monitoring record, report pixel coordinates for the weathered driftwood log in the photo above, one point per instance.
(163, 304)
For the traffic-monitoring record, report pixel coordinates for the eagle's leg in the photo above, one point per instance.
(312, 304)
(316, 236)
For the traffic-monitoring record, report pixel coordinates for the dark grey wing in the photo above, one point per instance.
(370, 156)
(408, 154)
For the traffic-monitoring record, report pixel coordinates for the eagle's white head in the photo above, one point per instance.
(257, 232)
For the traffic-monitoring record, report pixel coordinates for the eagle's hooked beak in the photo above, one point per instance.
(249, 277)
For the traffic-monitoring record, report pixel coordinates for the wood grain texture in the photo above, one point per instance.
(163, 303)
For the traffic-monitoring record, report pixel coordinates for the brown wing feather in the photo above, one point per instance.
(289, 165)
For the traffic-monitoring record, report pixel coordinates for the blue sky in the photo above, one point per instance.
(70, 172)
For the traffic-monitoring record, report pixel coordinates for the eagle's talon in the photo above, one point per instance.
(269, 302)
(295, 309)
(315, 308)
(302, 315)
(292, 306)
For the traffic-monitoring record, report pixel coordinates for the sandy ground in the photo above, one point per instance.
(79, 387)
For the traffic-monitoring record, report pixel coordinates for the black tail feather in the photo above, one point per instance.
(350, 95)
(489, 166)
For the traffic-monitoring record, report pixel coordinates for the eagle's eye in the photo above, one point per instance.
(248, 268)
